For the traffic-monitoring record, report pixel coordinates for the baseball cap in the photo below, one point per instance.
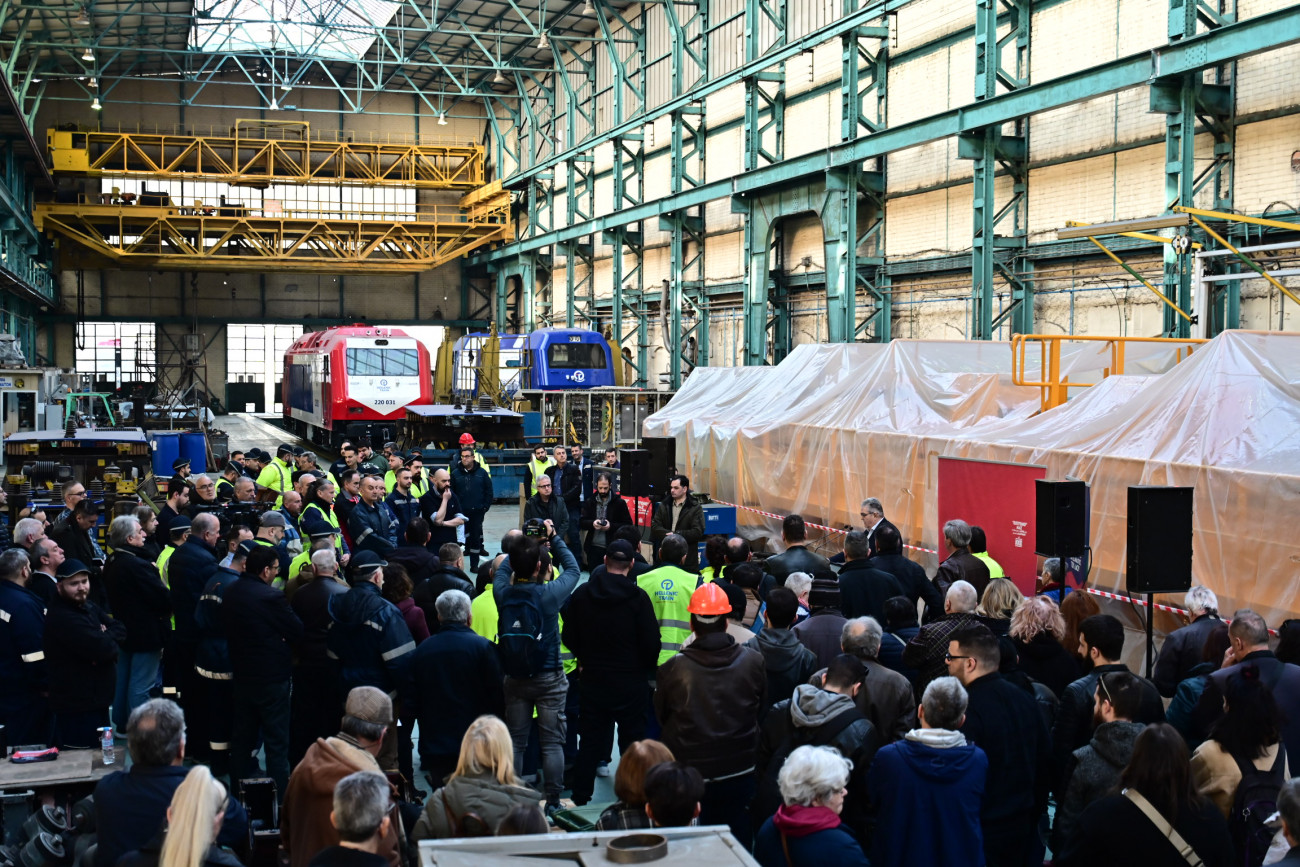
(68, 568)
(180, 462)
(246, 547)
(179, 523)
(299, 451)
(283, 448)
(323, 534)
(620, 551)
(369, 704)
(272, 519)
(232, 467)
(254, 454)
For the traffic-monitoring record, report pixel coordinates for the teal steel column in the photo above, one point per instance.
(758, 242)
(839, 215)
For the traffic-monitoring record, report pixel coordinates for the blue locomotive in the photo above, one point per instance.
(548, 359)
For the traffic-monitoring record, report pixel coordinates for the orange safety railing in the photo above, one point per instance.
(1055, 387)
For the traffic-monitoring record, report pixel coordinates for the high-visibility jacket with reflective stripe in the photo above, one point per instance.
(277, 475)
(161, 563)
(670, 589)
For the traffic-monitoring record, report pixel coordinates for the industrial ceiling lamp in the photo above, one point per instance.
(94, 84)
(82, 19)
(588, 8)
(95, 105)
(88, 55)
(500, 77)
(442, 118)
(543, 43)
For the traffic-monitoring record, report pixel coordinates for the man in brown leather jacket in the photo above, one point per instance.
(708, 700)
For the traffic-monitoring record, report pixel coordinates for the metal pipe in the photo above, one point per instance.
(1258, 248)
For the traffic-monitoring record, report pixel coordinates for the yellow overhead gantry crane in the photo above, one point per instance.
(153, 232)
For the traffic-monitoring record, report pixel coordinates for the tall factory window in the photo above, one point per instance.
(114, 353)
(255, 365)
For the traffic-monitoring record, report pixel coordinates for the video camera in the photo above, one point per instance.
(535, 528)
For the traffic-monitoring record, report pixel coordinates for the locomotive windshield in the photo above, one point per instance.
(575, 356)
(383, 362)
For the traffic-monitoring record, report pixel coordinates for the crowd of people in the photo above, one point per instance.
(846, 710)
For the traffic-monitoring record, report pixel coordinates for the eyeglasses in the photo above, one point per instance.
(542, 487)
(864, 514)
(948, 657)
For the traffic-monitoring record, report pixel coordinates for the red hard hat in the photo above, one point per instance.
(709, 600)
(466, 439)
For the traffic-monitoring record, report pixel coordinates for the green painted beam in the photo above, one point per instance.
(1263, 33)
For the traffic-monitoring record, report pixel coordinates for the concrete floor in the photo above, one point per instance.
(246, 431)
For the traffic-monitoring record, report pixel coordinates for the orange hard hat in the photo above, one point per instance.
(466, 439)
(709, 600)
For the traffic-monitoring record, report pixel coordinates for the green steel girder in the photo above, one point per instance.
(863, 77)
(686, 263)
(1264, 32)
(580, 96)
(629, 72)
(690, 42)
(844, 232)
(777, 54)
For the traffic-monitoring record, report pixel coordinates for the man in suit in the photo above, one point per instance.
(873, 520)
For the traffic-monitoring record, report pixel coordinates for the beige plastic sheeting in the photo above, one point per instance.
(832, 424)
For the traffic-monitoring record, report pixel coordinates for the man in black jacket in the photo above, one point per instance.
(1101, 641)
(682, 514)
(453, 678)
(261, 629)
(548, 508)
(795, 558)
(889, 558)
(189, 570)
(567, 480)
(1002, 719)
(75, 535)
(317, 693)
(140, 602)
(472, 485)
(442, 509)
(610, 627)
(81, 647)
(603, 513)
(961, 564)
(863, 588)
(1181, 651)
(450, 575)
(178, 497)
(46, 557)
(413, 554)
(787, 662)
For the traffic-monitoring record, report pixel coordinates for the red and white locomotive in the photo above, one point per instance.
(353, 380)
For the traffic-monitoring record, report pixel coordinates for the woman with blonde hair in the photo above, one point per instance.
(481, 791)
(1000, 600)
(193, 823)
(1037, 630)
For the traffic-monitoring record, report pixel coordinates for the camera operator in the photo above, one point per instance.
(548, 508)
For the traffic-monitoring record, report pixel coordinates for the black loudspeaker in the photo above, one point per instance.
(1061, 517)
(663, 463)
(1159, 540)
(634, 472)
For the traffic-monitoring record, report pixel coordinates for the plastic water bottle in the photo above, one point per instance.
(106, 744)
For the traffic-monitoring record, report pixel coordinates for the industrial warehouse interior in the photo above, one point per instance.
(777, 432)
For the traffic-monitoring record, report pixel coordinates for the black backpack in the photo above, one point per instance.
(1253, 803)
(519, 633)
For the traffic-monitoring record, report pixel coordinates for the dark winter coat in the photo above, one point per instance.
(261, 630)
(373, 528)
(1114, 831)
(418, 561)
(925, 652)
(426, 593)
(1047, 661)
(1186, 697)
(189, 570)
(796, 558)
(911, 576)
(1003, 720)
(962, 566)
(404, 507)
(1094, 774)
(811, 716)
(810, 843)
(787, 662)
(549, 597)
(553, 510)
(820, 633)
(138, 599)
(369, 638)
(885, 698)
(453, 678)
(864, 589)
(690, 526)
(312, 603)
(1181, 652)
(567, 483)
(707, 699)
(81, 648)
(1282, 679)
(927, 790)
(212, 657)
(1074, 717)
(473, 487)
(611, 628)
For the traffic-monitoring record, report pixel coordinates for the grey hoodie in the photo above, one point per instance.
(787, 663)
(1096, 770)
